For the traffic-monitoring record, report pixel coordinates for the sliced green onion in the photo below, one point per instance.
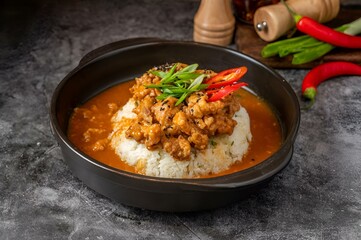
(179, 84)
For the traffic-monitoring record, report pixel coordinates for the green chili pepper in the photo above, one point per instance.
(311, 54)
(298, 47)
(273, 49)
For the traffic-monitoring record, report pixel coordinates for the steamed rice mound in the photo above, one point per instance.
(222, 150)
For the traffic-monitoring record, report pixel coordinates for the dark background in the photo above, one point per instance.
(318, 196)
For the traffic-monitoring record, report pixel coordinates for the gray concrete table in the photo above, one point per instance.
(318, 196)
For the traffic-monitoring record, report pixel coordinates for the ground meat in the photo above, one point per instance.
(181, 122)
(179, 147)
(199, 140)
(178, 129)
(152, 134)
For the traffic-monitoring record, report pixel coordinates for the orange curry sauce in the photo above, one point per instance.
(93, 120)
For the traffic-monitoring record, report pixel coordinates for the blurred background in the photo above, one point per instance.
(43, 40)
(24, 23)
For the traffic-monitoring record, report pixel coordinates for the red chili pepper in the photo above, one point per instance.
(325, 71)
(321, 32)
(226, 77)
(224, 91)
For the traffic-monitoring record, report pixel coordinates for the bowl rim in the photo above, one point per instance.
(224, 181)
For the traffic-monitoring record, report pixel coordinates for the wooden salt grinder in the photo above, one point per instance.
(214, 22)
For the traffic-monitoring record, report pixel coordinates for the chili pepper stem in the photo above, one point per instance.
(294, 15)
(297, 18)
(308, 106)
(310, 93)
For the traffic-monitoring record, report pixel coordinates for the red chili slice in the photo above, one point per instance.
(221, 93)
(226, 77)
(211, 92)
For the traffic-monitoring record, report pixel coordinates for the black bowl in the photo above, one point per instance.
(122, 61)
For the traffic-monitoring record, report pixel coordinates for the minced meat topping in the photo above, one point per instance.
(178, 129)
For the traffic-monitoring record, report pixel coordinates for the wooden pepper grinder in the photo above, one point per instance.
(274, 21)
(214, 22)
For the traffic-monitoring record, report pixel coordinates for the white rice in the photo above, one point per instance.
(221, 153)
